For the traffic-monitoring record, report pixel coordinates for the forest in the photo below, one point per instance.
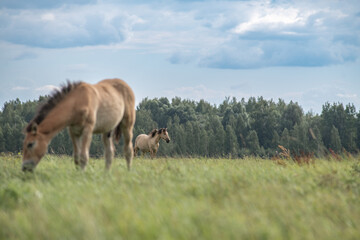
(233, 129)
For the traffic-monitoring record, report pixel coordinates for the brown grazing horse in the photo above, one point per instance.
(107, 107)
(150, 143)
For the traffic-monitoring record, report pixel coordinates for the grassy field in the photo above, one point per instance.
(180, 199)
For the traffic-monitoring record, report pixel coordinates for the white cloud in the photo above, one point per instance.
(19, 88)
(273, 19)
(215, 34)
(48, 17)
(47, 88)
(347, 95)
(64, 27)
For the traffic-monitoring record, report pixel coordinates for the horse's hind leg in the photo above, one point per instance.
(136, 149)
(109, 149)
(127, 131)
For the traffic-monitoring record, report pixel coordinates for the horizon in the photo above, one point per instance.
(217, 105)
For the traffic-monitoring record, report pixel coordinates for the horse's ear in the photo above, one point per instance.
(33, 128)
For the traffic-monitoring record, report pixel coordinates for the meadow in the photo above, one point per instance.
(181, 198)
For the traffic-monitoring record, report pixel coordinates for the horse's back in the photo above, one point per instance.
(116, 101)
(120, 86)
(141, 141)
(123, 91)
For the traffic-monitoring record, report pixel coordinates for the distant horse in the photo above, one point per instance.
(150, 143)
(107, 107)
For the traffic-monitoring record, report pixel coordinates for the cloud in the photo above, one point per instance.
(274, 19)
(25, 4)
(48, 17)
(244, 54)
(347, 95)
(314, 98)
(70, 26)
(278, 35)
(47, 88)
(25, 55)
(213, 34)
(288, 36)
(19, 88)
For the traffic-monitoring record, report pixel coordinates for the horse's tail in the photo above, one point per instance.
(117, 133)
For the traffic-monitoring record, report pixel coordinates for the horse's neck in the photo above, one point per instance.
(157, 139)
(55, 121)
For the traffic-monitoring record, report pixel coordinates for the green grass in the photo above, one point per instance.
(180, 199)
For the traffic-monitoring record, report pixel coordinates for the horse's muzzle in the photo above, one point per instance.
(167, 140)
(28, 166)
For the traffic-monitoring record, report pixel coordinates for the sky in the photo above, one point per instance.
(302, 51)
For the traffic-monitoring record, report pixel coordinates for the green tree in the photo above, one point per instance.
(178, 137)
(204, 143)
(335, 115)
(216, 137)
(315, 143)
(299, 139)
(253, 142)
(335, 141)
(2, 141)
(275, 141)
(10, 141)
(205, 108)
(144, 123)
(285, 138)
(358, 130)
(264, 120)
(350, 131)
(229, 118)
(292, 114)
(233, 128)
(190, 142)
(231, 145)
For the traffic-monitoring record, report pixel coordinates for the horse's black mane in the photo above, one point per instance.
(55, 97)
(154, 131)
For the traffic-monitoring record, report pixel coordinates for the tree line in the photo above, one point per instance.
(234, 128)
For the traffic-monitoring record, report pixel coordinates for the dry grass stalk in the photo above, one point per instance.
(334, 155)
(285, 153)
(303, 158)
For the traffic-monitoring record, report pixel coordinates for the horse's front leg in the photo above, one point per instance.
(152, 154)
(155, 151)
(109, 149)
(85, 145)
(76, 146)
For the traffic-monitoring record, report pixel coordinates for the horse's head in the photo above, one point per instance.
(164, 134)
(34, 148)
